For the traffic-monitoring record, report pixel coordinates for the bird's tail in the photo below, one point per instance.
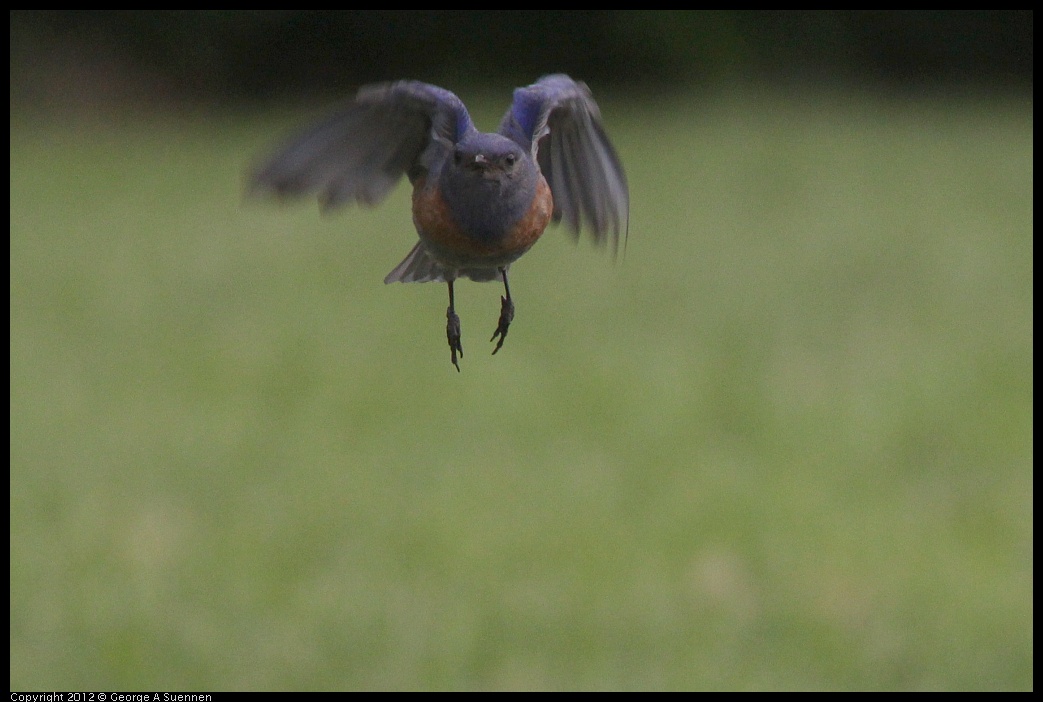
(417, 267)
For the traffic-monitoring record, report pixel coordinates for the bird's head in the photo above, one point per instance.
(489, 157)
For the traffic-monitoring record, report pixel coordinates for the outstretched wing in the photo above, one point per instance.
(361, 152)
(558, 120)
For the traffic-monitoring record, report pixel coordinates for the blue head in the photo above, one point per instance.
(488, 182)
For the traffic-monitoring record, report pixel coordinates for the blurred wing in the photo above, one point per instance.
(559, 121)
(360, 152)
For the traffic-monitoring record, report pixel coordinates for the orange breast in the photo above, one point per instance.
(531, 227)
(436, 224)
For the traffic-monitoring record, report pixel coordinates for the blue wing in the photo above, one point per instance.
(361, 152)
(557, 119)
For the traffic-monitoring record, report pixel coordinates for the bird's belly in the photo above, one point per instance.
(497, 245)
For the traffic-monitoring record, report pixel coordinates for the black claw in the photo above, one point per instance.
(452, 332)
(506, 316)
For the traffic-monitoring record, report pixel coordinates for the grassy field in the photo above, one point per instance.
(785, 443)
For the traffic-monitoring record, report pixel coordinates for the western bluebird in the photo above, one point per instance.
(480, 200)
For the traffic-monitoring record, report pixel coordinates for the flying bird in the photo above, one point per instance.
(480, 200)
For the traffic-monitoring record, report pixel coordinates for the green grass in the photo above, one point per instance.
(785, 444)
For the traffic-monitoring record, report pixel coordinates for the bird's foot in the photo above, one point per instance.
(506, 316)
(452, 332)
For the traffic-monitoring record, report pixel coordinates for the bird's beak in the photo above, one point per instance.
(484, 166)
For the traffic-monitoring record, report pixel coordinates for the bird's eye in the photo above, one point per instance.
(509, 160)
(458, 157)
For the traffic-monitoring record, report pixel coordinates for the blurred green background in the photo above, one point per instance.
(784, 443)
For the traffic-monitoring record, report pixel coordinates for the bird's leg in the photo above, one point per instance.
(506, 313)
(452, 329)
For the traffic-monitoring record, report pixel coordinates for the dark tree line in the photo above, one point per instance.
(260, 53)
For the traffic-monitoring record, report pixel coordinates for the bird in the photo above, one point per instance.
(480, 199)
